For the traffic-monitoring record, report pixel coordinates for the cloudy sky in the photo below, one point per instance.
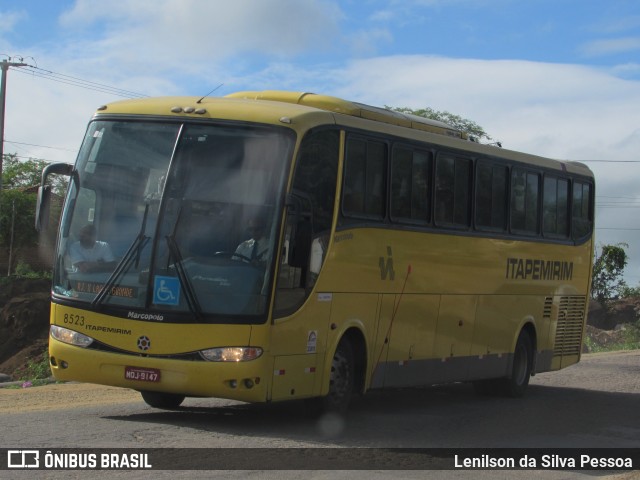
(559, 78)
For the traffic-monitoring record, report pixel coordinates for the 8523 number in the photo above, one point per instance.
(71, 319)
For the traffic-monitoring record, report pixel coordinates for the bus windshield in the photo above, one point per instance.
(174, 219)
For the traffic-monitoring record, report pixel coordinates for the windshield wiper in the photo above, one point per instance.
(189, 293)
(133, 253)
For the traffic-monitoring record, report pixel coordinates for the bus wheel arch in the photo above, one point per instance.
(347, 372)
(521, 367)
(358, 344)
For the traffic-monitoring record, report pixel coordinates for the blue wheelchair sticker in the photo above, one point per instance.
(166, 290)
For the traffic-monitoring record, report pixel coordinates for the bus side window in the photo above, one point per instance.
(453, 187)
(524, 201)
(555, 207)
(491, 196)
(365, 180)
(581, 211)
(315, 183)
(410, 186)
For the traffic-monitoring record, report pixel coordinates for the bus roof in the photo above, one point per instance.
(338, 105)
(261, 106)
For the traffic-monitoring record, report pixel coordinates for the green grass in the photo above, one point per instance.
(630, 340)
(36, 370)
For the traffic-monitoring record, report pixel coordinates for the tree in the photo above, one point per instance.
(608, 267)
(18, 203)
(456, 121)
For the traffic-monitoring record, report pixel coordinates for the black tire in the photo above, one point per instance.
(516, 383)
(341, 380)
(166, 401)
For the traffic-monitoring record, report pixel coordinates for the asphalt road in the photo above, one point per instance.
(590, 405)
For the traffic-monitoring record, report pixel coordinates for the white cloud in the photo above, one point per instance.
(8, 20)
(186, 34)
(611, 46)
(516, 101)
(619, 24)
(364, 42)
(561, 111)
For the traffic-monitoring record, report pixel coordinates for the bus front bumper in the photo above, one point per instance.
(243, 381)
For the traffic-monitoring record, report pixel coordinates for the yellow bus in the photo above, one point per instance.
(270, 246)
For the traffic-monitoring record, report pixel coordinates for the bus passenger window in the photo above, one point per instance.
(453, 191)
(581, 212)
(524, 202)
(491, 197)
(555, 209)
(365, 179)
(410, 186)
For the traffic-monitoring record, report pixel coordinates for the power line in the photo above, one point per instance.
(606, 161)
(78, 82)
(40, 146)
(614, 228)
(616, 196)
(48, 160)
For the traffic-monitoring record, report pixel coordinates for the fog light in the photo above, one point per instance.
(231, 354)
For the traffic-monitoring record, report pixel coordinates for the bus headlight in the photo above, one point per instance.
(71, 337)
(231, 354)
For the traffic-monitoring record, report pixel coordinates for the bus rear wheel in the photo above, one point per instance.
(165, 401)
(516, 383)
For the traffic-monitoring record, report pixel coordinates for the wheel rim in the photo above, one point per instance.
(339, 380)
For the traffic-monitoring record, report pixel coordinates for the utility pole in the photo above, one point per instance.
(4, 65)
(13, 227)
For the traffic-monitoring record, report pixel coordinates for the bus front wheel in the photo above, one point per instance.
(341, 379)
(165, 401)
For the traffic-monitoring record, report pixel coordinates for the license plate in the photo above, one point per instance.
(142, 374)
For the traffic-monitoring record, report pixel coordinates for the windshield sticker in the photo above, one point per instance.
(95, 287)
(166, 290)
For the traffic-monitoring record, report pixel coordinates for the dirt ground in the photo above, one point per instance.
(24, 323)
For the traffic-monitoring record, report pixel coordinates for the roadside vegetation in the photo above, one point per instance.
(35, 372)
(610, 291)
(627, 338)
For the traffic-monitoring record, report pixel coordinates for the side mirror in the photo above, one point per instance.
(43, 207)
(43, 204)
